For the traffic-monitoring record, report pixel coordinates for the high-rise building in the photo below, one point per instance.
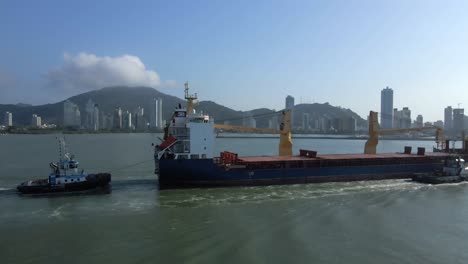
(71, 114)
(273, 123)
(249, 121)
(103, 121)
(91, 118)
(305, 121)
(89, 115)
(402, 118)
(289, 102)
(448, 119)
(290, 105)
(139, 118)
(419, 121)
(324, 123)
(127, 120)
(406, 117)
(156, 113)
(439, 123)
(160, 113)
(117, 118)
(458, 121)
(8, 119)
(36, 121)
(345, 124)
(386, 108)
(96, 118)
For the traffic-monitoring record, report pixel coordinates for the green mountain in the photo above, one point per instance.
(129, 98)
(317, 111)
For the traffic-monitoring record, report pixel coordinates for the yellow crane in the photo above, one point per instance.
(375, 131)
(285, 145)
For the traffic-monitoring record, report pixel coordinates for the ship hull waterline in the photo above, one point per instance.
(206, 173)
(96, 181)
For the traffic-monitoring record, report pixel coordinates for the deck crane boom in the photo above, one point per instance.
(285, 145)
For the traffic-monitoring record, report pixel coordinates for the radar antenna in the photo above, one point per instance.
(190, 99)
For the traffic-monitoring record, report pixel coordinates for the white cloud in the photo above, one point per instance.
(85, 72)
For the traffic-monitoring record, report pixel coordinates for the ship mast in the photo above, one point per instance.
(190, 99)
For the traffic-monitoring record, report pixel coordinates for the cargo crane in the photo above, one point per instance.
(375, 131)
(285, 145)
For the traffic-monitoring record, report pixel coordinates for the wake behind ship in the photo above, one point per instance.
(185, 157)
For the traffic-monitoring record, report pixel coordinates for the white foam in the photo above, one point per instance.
(57, 212)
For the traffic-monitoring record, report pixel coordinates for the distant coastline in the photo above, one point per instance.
(24, 131)
(325, 136)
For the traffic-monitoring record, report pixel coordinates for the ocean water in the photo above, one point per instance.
(392, 221)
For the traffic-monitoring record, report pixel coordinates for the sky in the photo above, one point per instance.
(241, 54)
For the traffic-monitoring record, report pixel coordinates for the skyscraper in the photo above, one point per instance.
(305, 121)
(160, 113)
(36, 121)
(289, 102)
(386, 108)
(139, 119)
(419, 121)
(127, 120)
(8, 119)
(273, 123)
(448, 119)
(117, 118)
(290, 105)
(104, 121)
(96, 118)
(91, 116)
(156, 113)
(402, 118)
(458, 120)
(71, 114)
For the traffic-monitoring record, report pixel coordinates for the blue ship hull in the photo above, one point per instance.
(188, 173)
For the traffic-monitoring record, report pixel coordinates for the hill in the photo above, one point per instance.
(129, 98)
(324, 110)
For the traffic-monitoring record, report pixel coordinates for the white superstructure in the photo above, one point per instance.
(190, 135)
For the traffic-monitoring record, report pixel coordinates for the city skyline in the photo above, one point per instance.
(243, 58)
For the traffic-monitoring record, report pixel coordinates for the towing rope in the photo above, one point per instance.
(131, 165)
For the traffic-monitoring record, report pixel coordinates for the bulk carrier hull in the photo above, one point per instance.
(185, 156)
(257, 171)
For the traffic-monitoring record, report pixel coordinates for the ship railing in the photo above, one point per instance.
(161, 152)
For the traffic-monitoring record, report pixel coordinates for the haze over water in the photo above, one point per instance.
(392, 221)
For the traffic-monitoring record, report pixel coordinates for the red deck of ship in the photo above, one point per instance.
(339, 157)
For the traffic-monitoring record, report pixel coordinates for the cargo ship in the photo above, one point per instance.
(185, 157)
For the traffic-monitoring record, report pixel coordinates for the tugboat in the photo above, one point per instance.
(65, 177)
(454, 171)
